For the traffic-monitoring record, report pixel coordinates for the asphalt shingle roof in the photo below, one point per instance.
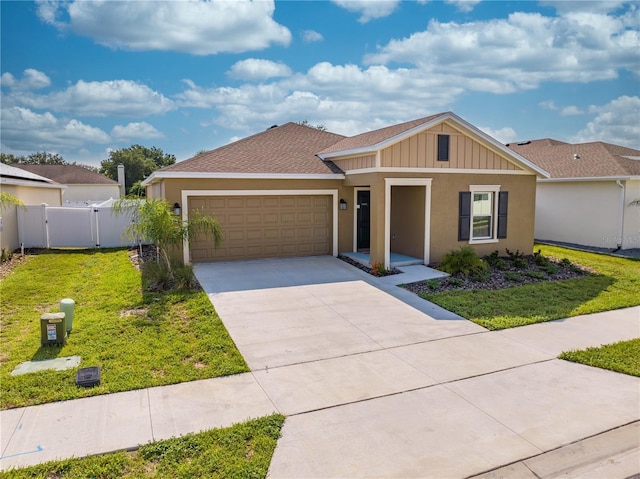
(593, 160)
(68, 174)
(285, 149)
(374, 137)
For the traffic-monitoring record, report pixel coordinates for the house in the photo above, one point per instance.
(589, 197)
(83, 185)
(30, 189)
(412, 191)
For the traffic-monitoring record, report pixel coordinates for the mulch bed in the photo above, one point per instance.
(503, 278)
(368, 269)
(149, 253)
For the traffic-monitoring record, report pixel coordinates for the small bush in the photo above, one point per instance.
(515, 277)
(155, 276)
(432, 284)
(480, 276)
(455, 281)
(183, 276)
(535, 274)
(501, 264)
(566, 262)
(540, 259)
(492, 259)
(5, 255)
(379, 269)
(462, 262)
(551, 269)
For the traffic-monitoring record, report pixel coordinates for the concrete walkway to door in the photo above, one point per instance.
(375, 386)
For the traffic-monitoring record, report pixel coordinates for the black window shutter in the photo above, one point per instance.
(464, 216)
(503, 206)
(443, 147)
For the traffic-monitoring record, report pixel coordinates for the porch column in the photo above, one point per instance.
(377, 221)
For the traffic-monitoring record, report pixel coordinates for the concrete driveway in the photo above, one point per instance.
(375, 386)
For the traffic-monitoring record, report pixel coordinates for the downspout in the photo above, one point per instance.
(620, 215)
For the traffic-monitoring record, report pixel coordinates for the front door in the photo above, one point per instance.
(363, 220)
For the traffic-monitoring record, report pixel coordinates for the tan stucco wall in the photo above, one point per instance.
(420, 151)
(407, 220)
(30, 196)
(445, 190)
(445, 204)
(91, 192)
(172, 189)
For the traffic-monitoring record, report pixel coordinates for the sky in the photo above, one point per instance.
(82, 78)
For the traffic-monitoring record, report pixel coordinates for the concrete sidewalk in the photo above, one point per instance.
(379, 389)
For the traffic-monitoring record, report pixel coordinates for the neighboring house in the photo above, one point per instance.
(29, 188)
(83, 185)
(418, 189)
(589, 198)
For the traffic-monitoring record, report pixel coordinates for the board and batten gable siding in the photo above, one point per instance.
(421, 151)
(355, 162)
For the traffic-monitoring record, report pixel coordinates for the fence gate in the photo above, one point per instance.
(66, 227)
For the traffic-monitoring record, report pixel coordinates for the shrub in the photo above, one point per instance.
(379, 269)
(462, 262)
(6, 255)
(183, 276)
(512, 276)
(501, 264)
(480, 276)
(551, 268)
(540, 259)
(455, 281)
(492, 259)
(432, 284)
(535, 274)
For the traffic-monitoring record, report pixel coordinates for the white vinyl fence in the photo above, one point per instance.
(68, 227)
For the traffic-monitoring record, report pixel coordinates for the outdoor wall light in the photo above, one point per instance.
(343, 204)
(176, 209)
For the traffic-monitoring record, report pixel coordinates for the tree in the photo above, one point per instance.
(319, 126)
(7, 199)
(40, 158)
(139, 162)
(154, 220)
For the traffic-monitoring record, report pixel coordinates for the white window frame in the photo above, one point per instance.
(495, 190)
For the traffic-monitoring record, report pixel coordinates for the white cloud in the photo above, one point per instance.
(599, 6)
(616, 122)
(519, 52)
(464, 5)
(503, 135)
(548, 105)
(25, 130)
(369, 9)
(193, 26)
(136, 131)
(571, 110)
(31, 80)
(311, 36)
(114, 97)
(258, 69)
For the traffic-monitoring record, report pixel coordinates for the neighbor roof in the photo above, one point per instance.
(582, 160)
(287, 149)
(68, 174)
(9, 171)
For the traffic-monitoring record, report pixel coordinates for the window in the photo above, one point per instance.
(443, 147)
(482, 214)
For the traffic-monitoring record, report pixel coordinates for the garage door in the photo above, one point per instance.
(265, 226)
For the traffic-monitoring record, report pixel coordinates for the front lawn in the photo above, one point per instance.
(614, 284)
(138, 340)
(242, 451)
(622, 357)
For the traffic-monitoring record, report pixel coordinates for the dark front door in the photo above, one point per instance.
(363, 220)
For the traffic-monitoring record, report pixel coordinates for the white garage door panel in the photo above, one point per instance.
(266, 226)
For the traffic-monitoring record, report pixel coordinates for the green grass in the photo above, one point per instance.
(241, 451)
(622, 357)
(614, 285)
(138, 340)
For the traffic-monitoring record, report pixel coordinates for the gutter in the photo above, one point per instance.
(620, 215)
